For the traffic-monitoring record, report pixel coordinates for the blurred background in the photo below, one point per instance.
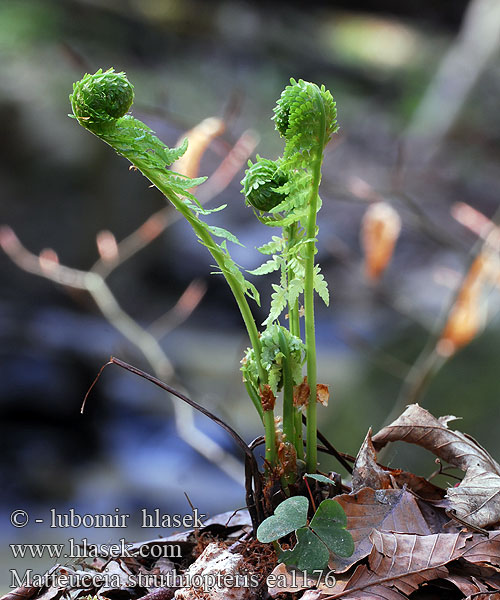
(408, 241)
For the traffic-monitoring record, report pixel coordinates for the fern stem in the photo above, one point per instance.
(270, 437)
(294, 327)
(293, 309)
(288, 409)
(312, 436)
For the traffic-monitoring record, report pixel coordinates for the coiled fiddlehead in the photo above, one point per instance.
(261, 184)
(101, 98)
(305, 115)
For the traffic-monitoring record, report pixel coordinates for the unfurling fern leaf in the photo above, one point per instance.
(262, 183)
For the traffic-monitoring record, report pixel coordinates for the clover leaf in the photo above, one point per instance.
(290, 515)
(329, 524)
(308, 554)
(324, 534)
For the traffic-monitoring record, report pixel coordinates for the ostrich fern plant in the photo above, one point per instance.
(284, 195)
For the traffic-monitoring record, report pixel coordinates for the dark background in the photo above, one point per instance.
(60, 186)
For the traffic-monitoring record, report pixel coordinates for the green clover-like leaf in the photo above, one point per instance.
(308, 554)
(329, 523)
(290, 515)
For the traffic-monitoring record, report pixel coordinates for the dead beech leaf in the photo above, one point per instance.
(385, 510)
(359, 589)
(404, 561)
(483, 550)
(477, 499)
(417, 426)
(465, 584)
(366, 472)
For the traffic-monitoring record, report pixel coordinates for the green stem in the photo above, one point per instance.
(294, 327)
(270, 437)
(312, 436)
(288, 409)
(299, 444)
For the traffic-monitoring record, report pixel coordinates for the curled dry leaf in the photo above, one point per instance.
(417, 426)
(366, 472)
(385, 510)
(477, 499)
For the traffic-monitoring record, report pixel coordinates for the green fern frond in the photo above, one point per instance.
(320, 285)
(275, 245)
(271, 265)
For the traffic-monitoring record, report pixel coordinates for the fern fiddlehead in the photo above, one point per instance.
(100, 103)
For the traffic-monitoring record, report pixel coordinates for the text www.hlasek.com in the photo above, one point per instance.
(84, 549)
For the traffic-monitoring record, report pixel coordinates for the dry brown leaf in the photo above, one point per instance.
(479, 572)
(483, 550)
(366, 472)
(357, 590)
(466, 585)
(404, 561)
(477, 499)
(386, 510)
(417, 426)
